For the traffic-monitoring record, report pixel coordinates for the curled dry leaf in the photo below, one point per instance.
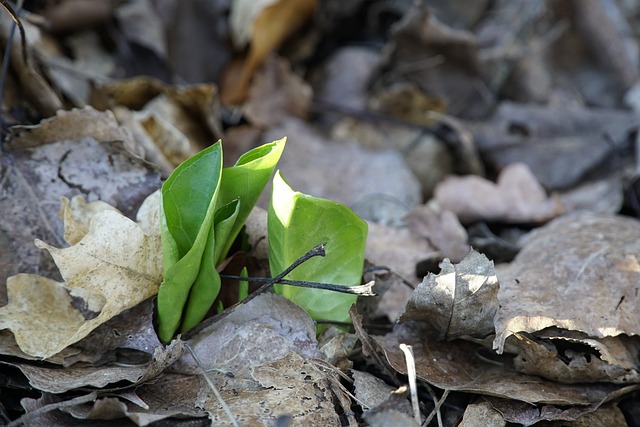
(110, 269)
(465, 366)
(577, 261)
(460, 301)
(515, 197)
(170, 123)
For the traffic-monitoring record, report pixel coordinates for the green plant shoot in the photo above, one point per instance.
(187, 212)
(296, 223)
(203, 209)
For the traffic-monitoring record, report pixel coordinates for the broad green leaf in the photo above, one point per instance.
(187, 216)
(298, 222)
(245, 181)
(206, 286)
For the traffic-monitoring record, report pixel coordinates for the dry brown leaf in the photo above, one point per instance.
(561, 145)
(112, 268)
(56, 380)
(440, 59)
(271, 23)
(577, 261)
(140, 23)
(370, 390)
(428, 157)
(70, 15)
(33, 85)
(465, 366)
(607, 415)
(406, 101)
(579, 360)
(265, 329)
(481, 414)
(441, 228)
(460, 301)
(515, 197)
(276, 93)
(72, 125)
(192, 109)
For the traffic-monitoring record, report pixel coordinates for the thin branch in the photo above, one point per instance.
(436, 409)
(362, 290)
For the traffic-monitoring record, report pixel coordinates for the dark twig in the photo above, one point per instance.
(363, 290)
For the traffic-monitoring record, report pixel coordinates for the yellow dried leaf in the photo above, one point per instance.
(77, 215)
(112, 268)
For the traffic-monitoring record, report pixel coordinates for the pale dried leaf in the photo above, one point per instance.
(397, 248)
(515, 197)
(77, 215)
(140, 24)
(265, 329)
(276, 93)
(607, 415)
(370, 390)
(112, 268)
(264, 346)
(577, 261)
(441, 228)
(72, 125)
(481, 414)
(460, 301)
(312, 159)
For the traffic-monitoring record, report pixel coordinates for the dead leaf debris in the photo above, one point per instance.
(491, 145)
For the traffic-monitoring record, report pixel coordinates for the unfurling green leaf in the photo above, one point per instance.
(298, 222)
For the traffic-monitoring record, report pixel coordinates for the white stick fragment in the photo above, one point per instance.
(411, 373)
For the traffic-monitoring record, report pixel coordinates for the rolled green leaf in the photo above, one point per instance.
(206, 286)
(187, 216)
(246, 181)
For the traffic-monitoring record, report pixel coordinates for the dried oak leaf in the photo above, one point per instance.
(460, 301)
(515, 197)
(112, 268)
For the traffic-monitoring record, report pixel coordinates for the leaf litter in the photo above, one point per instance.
(449, 123)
